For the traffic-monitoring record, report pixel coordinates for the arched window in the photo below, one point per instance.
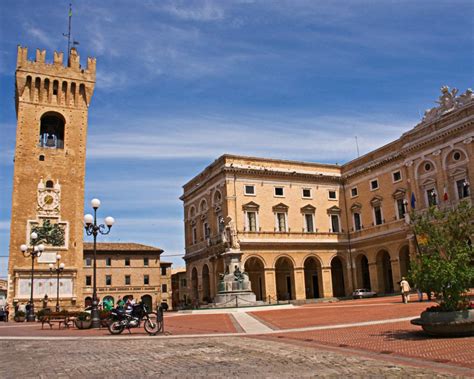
(52, 131)
(49, 184)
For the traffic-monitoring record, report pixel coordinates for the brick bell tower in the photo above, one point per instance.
(52, 101)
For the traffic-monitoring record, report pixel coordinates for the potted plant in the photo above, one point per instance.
(20, 316)
(443, 265)
(83, 320)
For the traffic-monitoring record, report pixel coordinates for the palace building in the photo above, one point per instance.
(311, 230)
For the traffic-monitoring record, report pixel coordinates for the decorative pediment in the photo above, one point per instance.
(429, 182)
(458, 173)
(399, 193)
(308, 208)
(280, 208)
(251, 206)
(334, 210)
(356, 207)
(376, 201)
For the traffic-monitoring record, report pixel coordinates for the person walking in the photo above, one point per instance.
(7, 312)
(405, 288)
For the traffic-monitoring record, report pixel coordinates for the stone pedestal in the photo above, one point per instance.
(234, 288)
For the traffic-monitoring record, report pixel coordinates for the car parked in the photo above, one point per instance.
(362, 293)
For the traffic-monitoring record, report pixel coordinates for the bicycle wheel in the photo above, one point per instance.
(152, 324)
(116, 327)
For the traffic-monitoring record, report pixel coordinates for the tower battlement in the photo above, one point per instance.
(53, 84)
(57, 67)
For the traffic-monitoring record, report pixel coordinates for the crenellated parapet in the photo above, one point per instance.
(55, 83)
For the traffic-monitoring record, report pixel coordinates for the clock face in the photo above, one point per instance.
(48, 200)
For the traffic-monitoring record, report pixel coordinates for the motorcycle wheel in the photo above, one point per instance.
(152, 325)
(116, 327)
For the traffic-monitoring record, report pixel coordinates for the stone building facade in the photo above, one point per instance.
(310, 230)
(127, 269)
(52, 101)
(179, 287)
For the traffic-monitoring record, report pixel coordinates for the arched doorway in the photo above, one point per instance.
(255, 269)
(206, 286)
(363, 273)
(88, 301)
(285, 281)
(194, 284)
(404, 259)
(384, 272)
(337, 276)
(313, 278)
(148, 302)
(126, 297)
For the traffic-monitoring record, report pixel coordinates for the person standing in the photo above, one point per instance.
(405, 288)
(7, 312)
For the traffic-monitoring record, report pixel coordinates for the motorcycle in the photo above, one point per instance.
(132, 317)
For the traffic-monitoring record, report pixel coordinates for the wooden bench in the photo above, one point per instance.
(51, 319)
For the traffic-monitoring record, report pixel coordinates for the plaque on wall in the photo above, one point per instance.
(47, 257)
(45, 286)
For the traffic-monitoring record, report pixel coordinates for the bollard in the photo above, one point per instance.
(236, 302)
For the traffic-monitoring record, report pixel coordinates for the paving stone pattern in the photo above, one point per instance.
(184, 357)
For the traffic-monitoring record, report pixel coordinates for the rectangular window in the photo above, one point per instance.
(163, 270)
(307, 193)
(462, 188)
(88, 280)
(249, 189)
(146, 261)
(396, 176)
(146, 280)
(252, 221)
(309, 222)
(205, 229)
(88, 261)
(279, 192)
(164, 288)
(378, 215)
(335, 223)
(374, 184)
(400, 208)
(194, 235)
(108, 261)
(281, 222)
(354, 192)
(127, 280)
(183, 283)
(357, 223)
(127, 261)
(431, 196)
(108, 280)
(332, 195)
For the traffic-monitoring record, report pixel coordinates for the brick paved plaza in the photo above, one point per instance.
(349, 338)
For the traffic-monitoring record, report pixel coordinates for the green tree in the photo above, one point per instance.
(445, 257)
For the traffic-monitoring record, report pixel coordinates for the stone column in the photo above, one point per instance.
(396, 274)
(374, 278)
(327, 281)
(300, 292)
(270, 284)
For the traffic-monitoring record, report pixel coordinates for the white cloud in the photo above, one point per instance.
(330, 138)
(195, 11)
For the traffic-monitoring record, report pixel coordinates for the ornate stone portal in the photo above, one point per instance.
(234, 286)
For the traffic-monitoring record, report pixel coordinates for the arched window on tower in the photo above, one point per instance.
(52, 131)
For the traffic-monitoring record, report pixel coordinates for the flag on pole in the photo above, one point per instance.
(445, 195)
(413, 200)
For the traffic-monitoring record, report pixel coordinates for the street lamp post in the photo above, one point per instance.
(58, 269)
(93, 229)
(35, 251)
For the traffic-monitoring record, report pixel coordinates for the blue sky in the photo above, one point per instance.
(181, 82)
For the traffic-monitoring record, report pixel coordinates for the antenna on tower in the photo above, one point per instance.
(357, 146)
(68, 34)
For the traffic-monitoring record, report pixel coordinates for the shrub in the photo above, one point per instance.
(445, 256)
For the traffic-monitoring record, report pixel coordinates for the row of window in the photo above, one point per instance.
(127, 281)
(278, 191)
(108, 263)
